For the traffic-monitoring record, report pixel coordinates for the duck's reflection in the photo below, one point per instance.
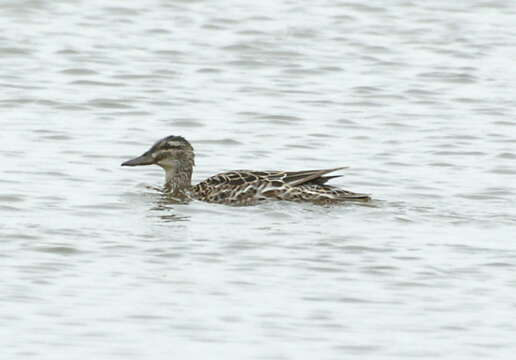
(166, 206)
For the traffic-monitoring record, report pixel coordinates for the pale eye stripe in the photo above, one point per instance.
(160, 153)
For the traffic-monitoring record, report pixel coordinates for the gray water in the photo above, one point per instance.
(418, 98)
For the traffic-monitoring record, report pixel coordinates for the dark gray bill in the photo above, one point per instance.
(140, 160)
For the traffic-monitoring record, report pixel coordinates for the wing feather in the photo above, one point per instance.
(300, 177)
(292, 178)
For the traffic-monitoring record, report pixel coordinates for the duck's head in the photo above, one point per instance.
(170, 153)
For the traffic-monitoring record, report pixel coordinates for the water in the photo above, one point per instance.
(418, 99)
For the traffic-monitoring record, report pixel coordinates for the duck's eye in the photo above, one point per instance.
(174, 147)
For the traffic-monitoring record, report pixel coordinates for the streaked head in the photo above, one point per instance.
(169, 153)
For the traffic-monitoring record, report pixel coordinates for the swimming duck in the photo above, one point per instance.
(239, 187)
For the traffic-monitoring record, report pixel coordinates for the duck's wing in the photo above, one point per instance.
(292, 178)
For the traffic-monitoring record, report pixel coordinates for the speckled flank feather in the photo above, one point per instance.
(245, 187)
(240, 187)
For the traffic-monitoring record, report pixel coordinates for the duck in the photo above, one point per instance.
(239, 187)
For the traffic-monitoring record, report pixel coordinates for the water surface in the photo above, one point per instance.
(418, 99)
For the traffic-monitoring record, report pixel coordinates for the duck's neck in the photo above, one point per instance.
(178, 178)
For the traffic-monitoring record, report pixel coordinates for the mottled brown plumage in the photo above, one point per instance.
(239, 187)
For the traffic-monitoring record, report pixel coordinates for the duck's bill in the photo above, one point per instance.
(140, 160)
